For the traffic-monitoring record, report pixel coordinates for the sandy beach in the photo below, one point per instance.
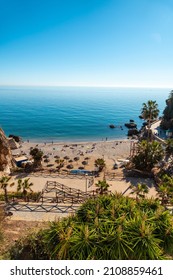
(110, 151)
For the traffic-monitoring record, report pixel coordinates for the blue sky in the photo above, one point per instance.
(86, 43)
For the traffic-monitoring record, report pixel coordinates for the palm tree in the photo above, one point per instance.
(25, 186)
(102, 187)
(149, 112)
(37, 156)
(4, 183)
(148, 155)
(140, 190)
(100, 163)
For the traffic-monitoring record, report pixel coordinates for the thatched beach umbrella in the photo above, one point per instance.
(86, 158)
(84, 162)
(56, 156)
(66, 157)
(50, 165)
(76, 158)
(69, 166)
(45, 156)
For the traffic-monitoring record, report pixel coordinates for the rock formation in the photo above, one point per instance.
(13, 144)
(131, 125)
(16, 138)
(112, 126)
(133, 131)
(6, 160)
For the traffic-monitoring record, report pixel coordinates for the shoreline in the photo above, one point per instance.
(79, 142)
(71, 141)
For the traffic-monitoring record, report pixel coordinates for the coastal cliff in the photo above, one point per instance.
(6, 160)
(167, 119)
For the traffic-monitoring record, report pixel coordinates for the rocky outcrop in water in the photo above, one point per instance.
(6, 160)
(130, 125)
(132, 132)
(112, 126)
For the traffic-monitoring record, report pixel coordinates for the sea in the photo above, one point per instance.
(62, 114)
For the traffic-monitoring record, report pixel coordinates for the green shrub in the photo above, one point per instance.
(30, 248)
(109, 227)
(33, 196)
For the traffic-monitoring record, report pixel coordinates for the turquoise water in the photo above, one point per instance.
(73, 114)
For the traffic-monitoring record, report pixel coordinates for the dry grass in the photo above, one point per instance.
(13, 230)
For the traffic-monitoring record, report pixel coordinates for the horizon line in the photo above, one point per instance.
(89, 86)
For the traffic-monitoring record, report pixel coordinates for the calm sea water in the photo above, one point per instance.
(73, 114)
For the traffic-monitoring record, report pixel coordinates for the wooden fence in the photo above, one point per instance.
(39, 207)
(55, 192)
(55, 198)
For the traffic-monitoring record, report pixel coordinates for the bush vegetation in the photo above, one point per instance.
(33, 196)
(148, 155)
(107, 228)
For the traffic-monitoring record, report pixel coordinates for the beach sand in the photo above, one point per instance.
(110, 151)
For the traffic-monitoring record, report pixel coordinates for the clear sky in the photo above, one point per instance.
(86, 42)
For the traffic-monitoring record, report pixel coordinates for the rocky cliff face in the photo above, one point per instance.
(6, 162)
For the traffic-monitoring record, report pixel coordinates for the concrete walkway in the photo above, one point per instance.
(155, 127)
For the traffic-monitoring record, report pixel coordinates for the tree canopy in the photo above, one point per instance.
(37, 156)
(150, 111)
(148, 155)
(100, 163)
